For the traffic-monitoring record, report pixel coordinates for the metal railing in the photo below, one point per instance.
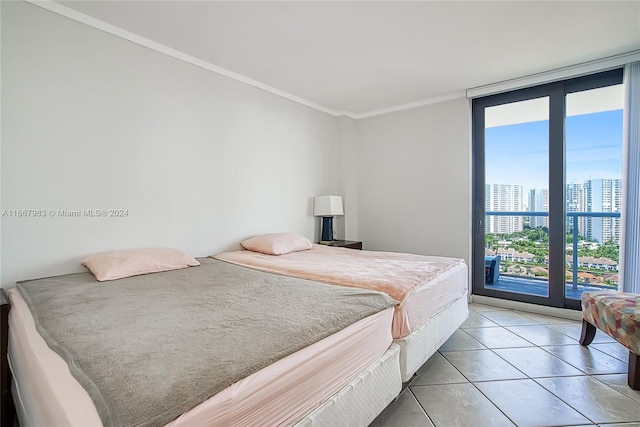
(574, 216)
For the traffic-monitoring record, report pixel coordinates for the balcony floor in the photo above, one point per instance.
(525, 285)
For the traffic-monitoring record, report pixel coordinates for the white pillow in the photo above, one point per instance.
(133, 262)
(277, 243)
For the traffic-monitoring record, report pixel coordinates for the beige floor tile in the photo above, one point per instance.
(483, 307)
(444, 391)
(522, 401)
(587, 359)
(404, 412)
(541, 335)
(621, 425)
(614, 349)
(482, 365)
(459, 405)
(508, 318)
(437, 370)
(601, 337)
(497, 338)
(574, 331)
(547, 320)
(459, 341)
(537, 363)
(593, 399)
(477, 320)
(620, 384)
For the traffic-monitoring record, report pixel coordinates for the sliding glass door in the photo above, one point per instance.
(547, 190)
(594, 188)
(516, 147)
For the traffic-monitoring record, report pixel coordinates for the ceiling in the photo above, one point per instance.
(359, 57)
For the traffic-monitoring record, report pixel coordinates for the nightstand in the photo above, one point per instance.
(351, 244)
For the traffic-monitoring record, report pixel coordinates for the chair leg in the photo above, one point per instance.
(588, 333)
(634, 371)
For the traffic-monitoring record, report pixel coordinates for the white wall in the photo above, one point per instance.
(199, 161)
(347, 225)
(414, 180)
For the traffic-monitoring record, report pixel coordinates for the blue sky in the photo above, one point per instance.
(519, 153)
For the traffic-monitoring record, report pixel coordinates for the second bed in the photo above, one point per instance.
(431, 291)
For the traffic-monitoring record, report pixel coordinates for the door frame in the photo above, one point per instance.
(556, 91)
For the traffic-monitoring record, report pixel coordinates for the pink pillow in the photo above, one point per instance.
(133, 262)
(277, 243)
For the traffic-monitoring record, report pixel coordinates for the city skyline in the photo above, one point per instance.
(539, 193)
(594, 195)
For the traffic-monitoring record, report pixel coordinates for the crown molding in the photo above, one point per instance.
(74, 15)
(158, 47)
(411, 105)
(566, 72)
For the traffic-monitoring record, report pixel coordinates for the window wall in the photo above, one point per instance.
(547, 190)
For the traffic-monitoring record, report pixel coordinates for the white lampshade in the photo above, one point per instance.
(327, 206)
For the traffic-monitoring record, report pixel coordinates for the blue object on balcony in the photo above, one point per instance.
(491, 269)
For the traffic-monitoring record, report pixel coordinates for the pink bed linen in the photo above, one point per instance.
(281, 393)
(422, 285)
(396, 274)
(42, 376)
(429, 299)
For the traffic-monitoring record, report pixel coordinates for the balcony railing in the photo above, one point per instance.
(574, 217)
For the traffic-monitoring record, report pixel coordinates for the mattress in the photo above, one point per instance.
(431, 298)
(360, 401)
(417, 347)
(422, 285)
(46, 393)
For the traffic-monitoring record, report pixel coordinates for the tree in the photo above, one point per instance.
(490, 240)
(609, 250)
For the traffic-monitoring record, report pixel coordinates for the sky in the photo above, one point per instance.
(519, 153)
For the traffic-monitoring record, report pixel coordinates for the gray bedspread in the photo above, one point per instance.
(149, 348)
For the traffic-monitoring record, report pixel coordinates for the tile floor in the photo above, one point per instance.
(506, 367)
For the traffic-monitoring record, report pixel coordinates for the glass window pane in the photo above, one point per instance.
(593, 132)
(516, 176)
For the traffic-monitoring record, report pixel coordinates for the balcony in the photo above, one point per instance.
(533, 286)
(582, 273)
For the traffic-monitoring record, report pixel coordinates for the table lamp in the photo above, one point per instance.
(327, 207)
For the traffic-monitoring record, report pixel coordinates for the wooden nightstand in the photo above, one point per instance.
(351, 244)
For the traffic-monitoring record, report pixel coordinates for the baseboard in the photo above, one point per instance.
(530, 308)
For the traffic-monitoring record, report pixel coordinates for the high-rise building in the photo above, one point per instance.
(617, 207)
(539, 202)
(504, 197)
(487, 207)
(603, 195)
(577, 202)
(595, 195)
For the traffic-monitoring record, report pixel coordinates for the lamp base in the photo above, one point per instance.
(327, 229)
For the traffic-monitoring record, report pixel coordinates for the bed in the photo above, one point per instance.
(335, 363)
(430, 291)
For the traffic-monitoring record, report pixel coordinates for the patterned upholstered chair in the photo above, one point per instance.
(618, 315)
